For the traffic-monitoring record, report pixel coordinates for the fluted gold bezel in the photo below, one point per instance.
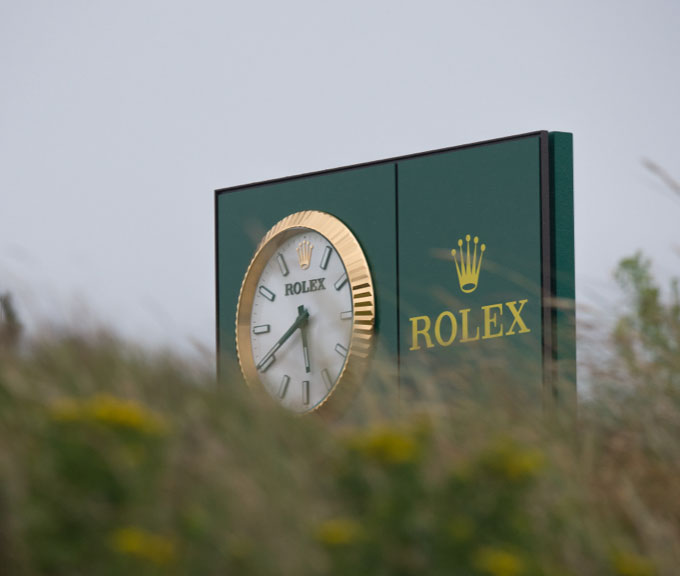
(363, 301)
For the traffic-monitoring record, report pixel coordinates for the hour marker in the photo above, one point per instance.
(282, 265)
(346, 315)
(267, 293)
(283, 388)
(262, 329)
(305, 392)
(340, 282)
(262, 367)
(326, 256)
(340, 349)
(327, 379)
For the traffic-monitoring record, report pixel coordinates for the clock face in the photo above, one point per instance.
(304, 282)
(296, 326)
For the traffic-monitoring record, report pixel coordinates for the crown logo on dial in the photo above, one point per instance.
(304, 251)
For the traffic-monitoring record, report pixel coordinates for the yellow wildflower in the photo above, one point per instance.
(461, 528)
(498, 562)
(513, 462)
(144, 545)
(386, 445)
(240, 548)
(111, 411)
(629, 564)
(66, 411)
(339, 532)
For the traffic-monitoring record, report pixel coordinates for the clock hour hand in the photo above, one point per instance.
(302, 317)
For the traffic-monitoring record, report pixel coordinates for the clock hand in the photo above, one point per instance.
(303, 315)
(305, 348)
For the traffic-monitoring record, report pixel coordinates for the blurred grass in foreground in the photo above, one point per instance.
(114, 462)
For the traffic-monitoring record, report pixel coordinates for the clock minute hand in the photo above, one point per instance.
(303, 315)
(305, 348)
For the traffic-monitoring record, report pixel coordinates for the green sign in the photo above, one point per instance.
(470, 251)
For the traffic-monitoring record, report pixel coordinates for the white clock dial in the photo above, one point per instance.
(301, 321)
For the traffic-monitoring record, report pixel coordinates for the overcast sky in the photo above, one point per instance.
(119, 118)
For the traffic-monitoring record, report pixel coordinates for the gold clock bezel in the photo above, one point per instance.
(363, 301)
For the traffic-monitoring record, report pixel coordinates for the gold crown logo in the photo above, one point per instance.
(468, 270)
(304, 251)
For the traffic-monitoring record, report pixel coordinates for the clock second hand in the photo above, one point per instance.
(303, 315)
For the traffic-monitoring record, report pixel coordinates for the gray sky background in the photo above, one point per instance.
(119, 118)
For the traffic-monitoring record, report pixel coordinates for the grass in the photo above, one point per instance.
(114, 461)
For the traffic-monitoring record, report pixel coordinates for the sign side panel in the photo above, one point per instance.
(562, 191)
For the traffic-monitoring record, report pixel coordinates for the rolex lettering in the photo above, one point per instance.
(305, 286)
(490, 321)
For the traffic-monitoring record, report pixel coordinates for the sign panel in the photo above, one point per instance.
(470, 250)
(470, 264)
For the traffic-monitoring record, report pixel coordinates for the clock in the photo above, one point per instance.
(306, 313)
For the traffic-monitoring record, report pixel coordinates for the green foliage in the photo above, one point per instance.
(471, 515)
(647, 338)
(115, 462)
